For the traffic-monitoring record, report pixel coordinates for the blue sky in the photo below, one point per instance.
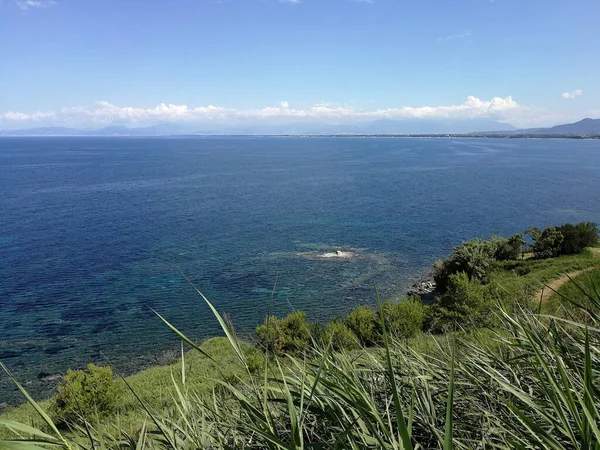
(138, 62)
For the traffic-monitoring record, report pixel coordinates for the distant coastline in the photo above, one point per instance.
(254, 136)
(584, 129)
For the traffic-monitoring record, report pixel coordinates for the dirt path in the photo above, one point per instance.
(544, 294)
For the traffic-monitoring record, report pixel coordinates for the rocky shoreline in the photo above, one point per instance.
(425, 288)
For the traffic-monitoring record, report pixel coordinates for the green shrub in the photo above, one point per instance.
(254, 359)
(547, 244)
(474, 258)
(362, 321)
(288, 335)
(509, 249)
(86, 395)
(404, 319)
(576, 238)
(340, 336)
(464, 305)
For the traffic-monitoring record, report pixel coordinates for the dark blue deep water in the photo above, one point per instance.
(93, 231)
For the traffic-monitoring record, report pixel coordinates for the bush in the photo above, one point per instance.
(86, 395)
(577, 237)
(509, 249)
(404, 319)
(254, 359)
(362, 321)
(340, 336)
(463, 305)
(547, 244)
(474, 258)
(288, 335)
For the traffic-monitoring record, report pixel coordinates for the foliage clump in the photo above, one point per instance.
(464, 305)
(509, 249)
(86, 394)
(567, 239)
(340, 336)
(289, 335)
(362, 321)
(474, 258)
(546, 243)
(404, 319)
(576, 238)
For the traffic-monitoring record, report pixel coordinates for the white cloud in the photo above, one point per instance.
(104, 113)
(452, 37)
(571, 95)
(28, 4)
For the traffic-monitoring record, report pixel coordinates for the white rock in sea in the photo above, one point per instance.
(337, 254)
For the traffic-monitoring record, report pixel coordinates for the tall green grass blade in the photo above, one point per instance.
(26, 445)
(404, 435)
(182, 365)
(448, 437)
(226, 329)
(37, 408)
(185, 338)
(141, 443)
(17, 428)
(157, 422)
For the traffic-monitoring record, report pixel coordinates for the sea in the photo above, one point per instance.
(96, 234)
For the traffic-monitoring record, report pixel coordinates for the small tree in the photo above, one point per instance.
(288, 335)
(362, 321)
(548, 243)
(577, 237)
(85, 395)
(510, 249)
(464, 305)
(474, 258)
(405, 318)
(340, 336)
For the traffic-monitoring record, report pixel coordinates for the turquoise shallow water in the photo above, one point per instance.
(93, 232)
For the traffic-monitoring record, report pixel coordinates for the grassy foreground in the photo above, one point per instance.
(154, 386)
(533, 383)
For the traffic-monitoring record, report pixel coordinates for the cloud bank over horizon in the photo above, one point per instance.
(103, 113)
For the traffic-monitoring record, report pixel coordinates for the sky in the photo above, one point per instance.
(93, 63)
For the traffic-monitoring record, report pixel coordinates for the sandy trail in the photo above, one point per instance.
(544, 294)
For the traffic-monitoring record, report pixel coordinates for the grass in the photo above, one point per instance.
(519, 281)
(535, 387)
(154, 386)
(577, 290)
(533, 383)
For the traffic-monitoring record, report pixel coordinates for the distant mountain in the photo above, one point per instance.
(380, 126)
(585, 128)
(112, 130)
(44, 131)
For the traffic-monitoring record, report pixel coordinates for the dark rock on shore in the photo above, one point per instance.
(423, 287)
(48, 377)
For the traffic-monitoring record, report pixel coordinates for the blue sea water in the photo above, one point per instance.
(94, 231)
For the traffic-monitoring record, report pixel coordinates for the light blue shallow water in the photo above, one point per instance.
(94, 231)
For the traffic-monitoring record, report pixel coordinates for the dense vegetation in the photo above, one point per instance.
(467, 293)
(479, 368)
